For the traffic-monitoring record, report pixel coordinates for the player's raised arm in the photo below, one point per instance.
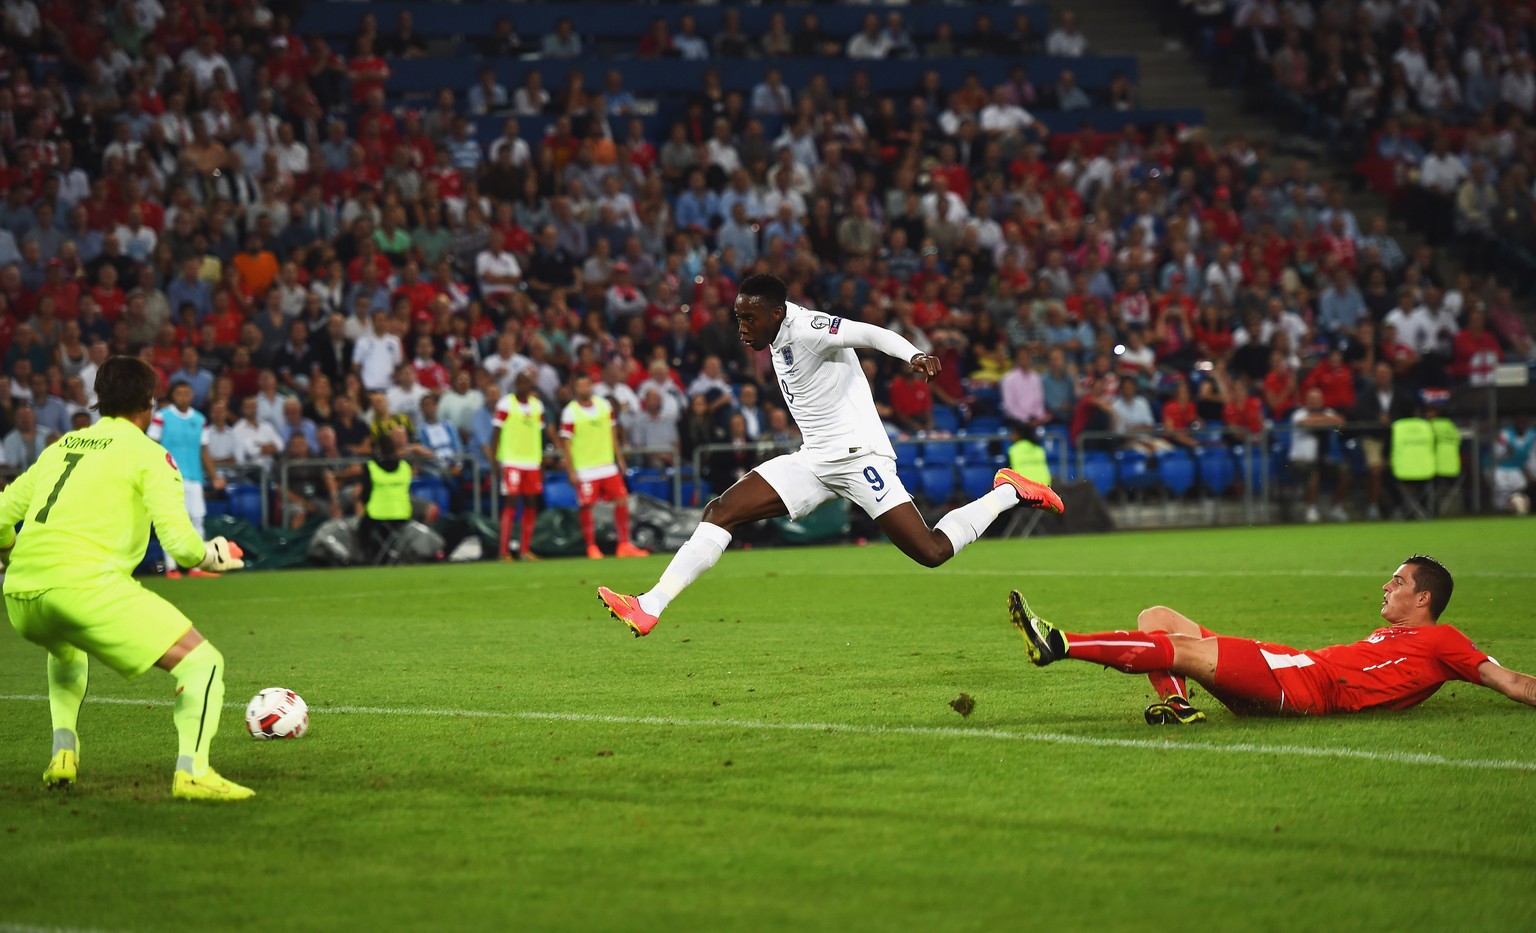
(843, 333)
(1517, 686)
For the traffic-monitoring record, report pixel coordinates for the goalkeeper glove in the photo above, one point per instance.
(220, 555)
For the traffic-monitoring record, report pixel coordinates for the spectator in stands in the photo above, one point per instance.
(1066, 40)
(870, 42)
(1068, 95)
(1312, 452)
(563, 43)
(1023, 391)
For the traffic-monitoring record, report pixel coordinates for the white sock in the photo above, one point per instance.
(697, 555)
(965, 524)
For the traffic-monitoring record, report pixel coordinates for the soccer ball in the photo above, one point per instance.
(277, 713)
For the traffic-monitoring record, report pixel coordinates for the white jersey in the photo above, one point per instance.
(824, 386)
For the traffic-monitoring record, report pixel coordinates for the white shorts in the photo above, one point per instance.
(196, 509)
(870, 482)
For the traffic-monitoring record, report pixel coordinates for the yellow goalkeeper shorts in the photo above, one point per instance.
(122, 624)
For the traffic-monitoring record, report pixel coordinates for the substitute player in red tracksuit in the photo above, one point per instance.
(1400, 665)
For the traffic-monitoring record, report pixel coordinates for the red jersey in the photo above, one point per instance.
(1336, 382)
(1396, 668)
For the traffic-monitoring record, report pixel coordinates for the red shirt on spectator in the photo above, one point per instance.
(1341, 249)
(111, 302)
(226, 331)
(1474, 355)
(516, 239)
(1336, 382)
(449, 183)
(1280, 392)
(245, 380)
(1178, 416)
(928, 314)
(367, 72)
(1062, 200)
(430, 374)
(420, 294)
(380, 265)
(1249, 417)
(911, 397)
(1224, 223)
(1027, 166)
(1183, 301)
(957, 178)
(66, 298)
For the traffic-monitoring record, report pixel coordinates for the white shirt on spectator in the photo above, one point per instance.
(489, 263)
(203, 67)
(252, 436)
(1304, 441)
(520, 151)
(1415, 66)
(1005, 118)
(1415, 329)
(865, 46)
(407, 401)
(505, 368)
(1518, 90)
(376, 358)
(1442, 173)
(1063, 44)
(1292, 323)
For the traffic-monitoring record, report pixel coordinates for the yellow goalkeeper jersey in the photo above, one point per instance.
(87, 504)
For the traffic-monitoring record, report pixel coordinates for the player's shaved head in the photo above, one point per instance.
(125, 386)
(1430, 575)
(770, 288)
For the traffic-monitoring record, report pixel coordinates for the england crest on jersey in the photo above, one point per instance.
(789, 356)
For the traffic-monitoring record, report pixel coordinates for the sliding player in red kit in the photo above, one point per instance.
(1400, 665)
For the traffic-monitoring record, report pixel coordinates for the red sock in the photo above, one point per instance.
(586, 527)
(1169, 685)
(1131, 652)
(506, 529)
(621, 521)
(530, 520)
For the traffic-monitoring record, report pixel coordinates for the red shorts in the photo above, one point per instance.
(608, 489)
(516, 481)
(1256, 678)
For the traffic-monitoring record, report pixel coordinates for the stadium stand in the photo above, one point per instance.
(278, 200)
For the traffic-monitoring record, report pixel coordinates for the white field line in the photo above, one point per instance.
(1049, 738)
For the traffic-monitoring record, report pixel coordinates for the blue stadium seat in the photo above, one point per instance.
(1176, 470)
(976, 479)
(1136, 472)
(986, 424)
(908, 455)
(946, 419)
(1216, 470)
(245, 502)
(558, 492)
(1099, 469)
(974, 451)
(938, 481)
(433, 490)
(657, 487)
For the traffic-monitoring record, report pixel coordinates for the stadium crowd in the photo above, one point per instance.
(1433, 98)
(196, 184)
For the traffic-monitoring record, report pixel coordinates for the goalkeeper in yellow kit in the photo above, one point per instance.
(87, 504)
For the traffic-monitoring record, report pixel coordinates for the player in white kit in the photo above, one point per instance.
(845, 453)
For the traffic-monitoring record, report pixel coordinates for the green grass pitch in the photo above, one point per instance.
(490, 752)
